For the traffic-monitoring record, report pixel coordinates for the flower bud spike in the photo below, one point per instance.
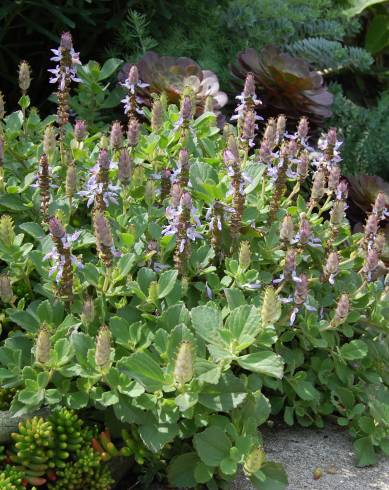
(125, 167)
(116, 136)
(281, 125)
(244, 255)
(103, 347)
(7, 230)
(303, 128)
(133, 132)
(6, 293)
(80, 130)
(157, 115)
(71, 181)
(24, 77)
(183, 366)
(43, 346)
(271, 307)
(287, 229)
(342, 310)
(88, 311)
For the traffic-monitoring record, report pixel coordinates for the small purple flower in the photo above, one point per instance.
(67, 69)
(93, 187)
(208, 291)
(128, 105)
(132, 81)
(58, 260)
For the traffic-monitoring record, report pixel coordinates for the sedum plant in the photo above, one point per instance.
(185, 284)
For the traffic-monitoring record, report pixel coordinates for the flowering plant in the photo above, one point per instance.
(201, 284)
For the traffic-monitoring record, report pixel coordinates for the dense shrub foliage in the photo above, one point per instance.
(187, 283)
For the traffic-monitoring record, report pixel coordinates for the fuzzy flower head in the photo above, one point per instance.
(304, 235)
(80, 130)
(132, 101)
(132, 82)
(133, 132)
(248, 100)
(67, 60)
(116, 136)
(331, 267)
(379, 208)
(300, 297)
(329, 144)
(24, 76)
(370, 264)
(342, 191)
(333, 178)
(287, 231)
(62, 241)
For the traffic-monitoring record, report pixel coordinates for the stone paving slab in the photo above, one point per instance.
(302, 450)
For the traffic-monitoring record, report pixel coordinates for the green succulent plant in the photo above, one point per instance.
(33, 447)
(86, 472)
(11, 479)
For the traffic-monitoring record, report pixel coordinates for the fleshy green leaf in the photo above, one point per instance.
(212, 445)
(166, 283)
(264, 362)
(181, 470)
(206, 322)
(144, 369)
(356, 349)
(276, 477)
(156, 436)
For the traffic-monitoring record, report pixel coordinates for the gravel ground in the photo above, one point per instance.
(301, 451)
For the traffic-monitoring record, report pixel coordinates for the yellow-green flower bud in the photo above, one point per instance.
(157, 115)
(88, 311)
(24, 76)
(342, 310)
(7, 232)
(71, 180)
(244, 255)
(281, 124)
(287, 229)
(49, 141)
(6, 293)
(271, 307)
(149, 193)
(103, 347)
(43, 346)
(318, 185)
(337, 213)
(254, 461)
(183, 367)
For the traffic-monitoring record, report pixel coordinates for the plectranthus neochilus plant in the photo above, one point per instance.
(220, 285)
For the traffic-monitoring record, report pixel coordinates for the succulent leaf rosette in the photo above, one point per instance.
(171, 75)
(286, 84)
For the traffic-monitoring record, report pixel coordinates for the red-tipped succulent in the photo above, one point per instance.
(284, 83)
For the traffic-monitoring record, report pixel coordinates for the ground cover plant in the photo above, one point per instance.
(179, 284)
